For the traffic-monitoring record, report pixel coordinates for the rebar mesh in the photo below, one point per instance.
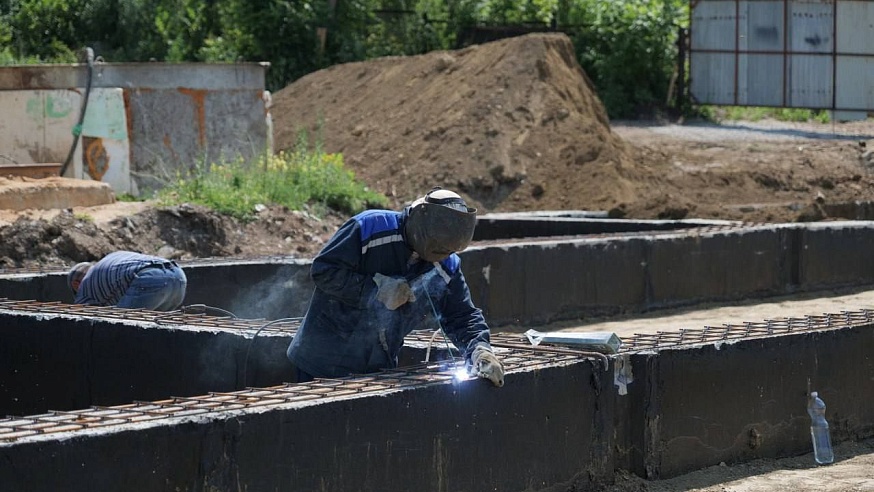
(516, 355)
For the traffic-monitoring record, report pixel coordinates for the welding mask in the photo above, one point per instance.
(439, 224)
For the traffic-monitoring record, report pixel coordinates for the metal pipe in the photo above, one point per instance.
(555, 350)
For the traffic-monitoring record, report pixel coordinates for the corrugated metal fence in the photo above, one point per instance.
(783, 53)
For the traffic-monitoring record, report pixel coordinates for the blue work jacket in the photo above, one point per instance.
(346, 330)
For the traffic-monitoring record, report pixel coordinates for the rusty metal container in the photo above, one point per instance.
(143, 122)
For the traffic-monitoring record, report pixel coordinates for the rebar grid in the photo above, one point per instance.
(209, 260)
(747, 330)
(636, 342)
(689, 230)
(514, 352)
(203, 320)
(55, 421)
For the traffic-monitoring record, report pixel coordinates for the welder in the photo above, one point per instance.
(384, 274)
(128, 279)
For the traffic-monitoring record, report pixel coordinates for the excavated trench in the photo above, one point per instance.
(204, 398)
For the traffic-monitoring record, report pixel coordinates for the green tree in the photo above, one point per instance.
(46, 29)
(281, 32)
(184, 26)
(627, 47)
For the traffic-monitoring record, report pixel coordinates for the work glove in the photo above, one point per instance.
(393, 292)
(486, 365)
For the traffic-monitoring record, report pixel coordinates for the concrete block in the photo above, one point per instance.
(20, 193)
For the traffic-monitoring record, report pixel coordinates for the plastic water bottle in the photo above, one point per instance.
(819, 433)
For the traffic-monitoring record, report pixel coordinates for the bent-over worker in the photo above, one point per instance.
(129, 280)
(382, 274)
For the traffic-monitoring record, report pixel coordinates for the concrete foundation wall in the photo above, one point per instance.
(67, 363)
(838, 254)
(513, 226)
(445, 437)
(540, 282)
(549, 281)
(722, 266)
(251, 289)
(734, 402)
(560, 427)
(561, 280)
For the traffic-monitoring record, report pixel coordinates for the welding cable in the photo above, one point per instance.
(438, 330)
(252, 343)
(193, 309)
(203, 309)
(431, 342)
(449, 345)
(77, 130)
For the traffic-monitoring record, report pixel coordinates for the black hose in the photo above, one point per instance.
(77, 130)
(203, 309)
(252, 342)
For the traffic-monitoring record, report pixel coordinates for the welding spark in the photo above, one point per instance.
(460, 374)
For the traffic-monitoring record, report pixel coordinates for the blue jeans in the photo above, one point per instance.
(159, 288)
(304, 377)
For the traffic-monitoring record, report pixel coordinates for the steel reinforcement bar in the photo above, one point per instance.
(515, 355)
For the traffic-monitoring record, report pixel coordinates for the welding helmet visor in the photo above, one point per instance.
(439, 224)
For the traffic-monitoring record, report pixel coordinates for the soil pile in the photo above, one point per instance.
(182, 232)
(513, 125)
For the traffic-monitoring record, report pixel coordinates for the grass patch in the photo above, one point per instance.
(292, 179)
(756, 113)
(127, 197)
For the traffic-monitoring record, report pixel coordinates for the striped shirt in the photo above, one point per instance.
(107, 281)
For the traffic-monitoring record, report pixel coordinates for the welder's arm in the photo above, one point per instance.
(335, 268)
(485, 364)
(466, 327)
(393, 292)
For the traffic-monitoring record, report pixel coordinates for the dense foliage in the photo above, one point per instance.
(627, 47)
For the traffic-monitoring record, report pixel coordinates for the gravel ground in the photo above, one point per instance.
(765, 130)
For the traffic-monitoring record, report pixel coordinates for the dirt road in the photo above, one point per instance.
(852, 471)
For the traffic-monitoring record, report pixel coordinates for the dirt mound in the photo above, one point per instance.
(183, 232)
(514, 125)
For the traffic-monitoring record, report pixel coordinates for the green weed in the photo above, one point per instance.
(127, 197)
(292, 179)
(756, 113)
